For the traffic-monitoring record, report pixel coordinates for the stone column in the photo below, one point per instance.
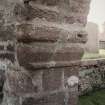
(50, 37)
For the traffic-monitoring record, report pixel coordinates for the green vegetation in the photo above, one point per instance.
(95, 98)
(101, 54)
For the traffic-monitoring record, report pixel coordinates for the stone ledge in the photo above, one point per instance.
(84, 63)
(43, 31)
(93, 62)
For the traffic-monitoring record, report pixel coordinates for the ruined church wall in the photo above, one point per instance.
(91, 75)
(44, 37)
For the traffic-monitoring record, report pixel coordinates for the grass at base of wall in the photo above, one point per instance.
(96, 98)
(101, 54)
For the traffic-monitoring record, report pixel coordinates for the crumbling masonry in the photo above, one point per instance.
(43, 38)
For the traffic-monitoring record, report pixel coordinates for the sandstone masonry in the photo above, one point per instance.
(43, 38)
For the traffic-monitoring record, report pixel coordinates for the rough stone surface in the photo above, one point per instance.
(54, 99)
(41, 38)
(41, 83)
(92, 76)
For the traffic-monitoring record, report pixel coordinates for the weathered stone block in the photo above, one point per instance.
(53, 99)
(19, 83)
(7, 55)
(46, 2)
(1, 18)
(52, 11)
(71, 76)
(30, 13)
(35, 54)
(43, 53)
(23, 83)
(69, 71)
(70, 53)
(41, 32)
(11, 100)
(52, 79)
(37, 80)
(28, 33)
(73, 99)
(1, 47)
(7, 33)
(11, 47)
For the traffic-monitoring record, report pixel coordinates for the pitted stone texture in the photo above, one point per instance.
(6, 33)
(42, 31)
(69, 11)
(9, 56)
(7, 50)
(44, 42)
(11, 100)
(53, 39)
(44, 53)
(53, 99)
(92, 76)
(29, 33)
(21, 83)
(73, 99)
(52, 79)
(68, 72)
(46, 2)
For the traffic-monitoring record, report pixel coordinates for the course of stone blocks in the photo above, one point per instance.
(44, 37)
(92, 76)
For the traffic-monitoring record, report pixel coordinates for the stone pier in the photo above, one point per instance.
(49, 37)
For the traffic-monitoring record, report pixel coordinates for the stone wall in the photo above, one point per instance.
(7, 45)
(41, 39)
(92, 76)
